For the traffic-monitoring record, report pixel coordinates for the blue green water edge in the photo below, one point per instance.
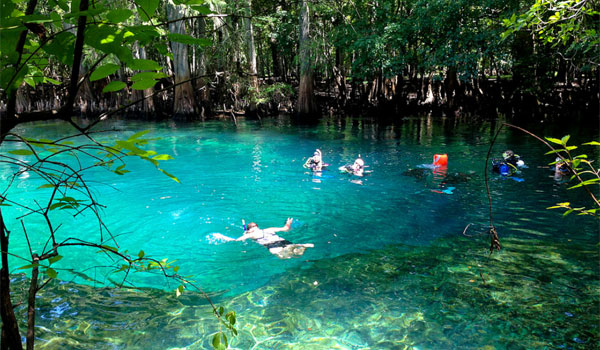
(533, 294)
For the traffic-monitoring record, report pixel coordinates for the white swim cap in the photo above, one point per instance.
(359, 162)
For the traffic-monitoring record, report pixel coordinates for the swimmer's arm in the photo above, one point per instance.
(244, 237)
(288, 225)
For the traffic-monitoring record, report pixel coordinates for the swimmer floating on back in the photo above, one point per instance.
(278, 246)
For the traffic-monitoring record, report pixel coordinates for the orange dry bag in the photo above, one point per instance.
(440, 159)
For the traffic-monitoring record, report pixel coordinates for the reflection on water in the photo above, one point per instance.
(389, 269)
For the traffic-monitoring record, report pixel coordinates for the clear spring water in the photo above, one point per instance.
(390, 268)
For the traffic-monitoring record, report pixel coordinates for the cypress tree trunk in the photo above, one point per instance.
(184, 102)
(307, 105)
(203, 92)
(251, 48)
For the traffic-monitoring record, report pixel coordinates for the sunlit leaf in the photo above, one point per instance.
(162, 157)
(169, 175)
(554, 140)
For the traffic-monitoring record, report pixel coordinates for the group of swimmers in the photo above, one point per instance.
(316, 164)
(268, 238)
(285, 249)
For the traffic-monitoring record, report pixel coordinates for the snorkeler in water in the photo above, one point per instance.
(315, 162)
(357, 168)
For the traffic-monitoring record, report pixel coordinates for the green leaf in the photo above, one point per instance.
(119, 15)
(204, 10)
(553, 140)
(47, 186)
(162, 157)
(554, 151)
(107, 247)
(141, 254)
(51, 81)
(216, 341)
(104, 71)
(51, 272)
(54, 259)
(138, 134)
(21, 152)
(62, 47)
(231, 317)
(30, 81)
(565, 139)
(28, 266)
(144, 84)
(141, 64)
(592, 143)
(567, 212)
(147, 8)
(114, 86)
(171, 176)
(148, 75)
(56, 205)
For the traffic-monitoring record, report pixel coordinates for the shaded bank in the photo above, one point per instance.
(488, 98)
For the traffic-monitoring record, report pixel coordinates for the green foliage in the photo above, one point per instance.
(112, 33)
(274, 92)
(569, 26)
(581, 169)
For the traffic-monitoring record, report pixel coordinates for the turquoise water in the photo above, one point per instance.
(390, 268)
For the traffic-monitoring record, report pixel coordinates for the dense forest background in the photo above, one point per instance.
(261, 57)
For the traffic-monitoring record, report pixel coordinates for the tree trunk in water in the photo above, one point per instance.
(11, 339)
(307, 105)
(184, 93)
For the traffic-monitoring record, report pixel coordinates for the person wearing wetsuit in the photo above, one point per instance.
(509, 165)
(278, 246)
